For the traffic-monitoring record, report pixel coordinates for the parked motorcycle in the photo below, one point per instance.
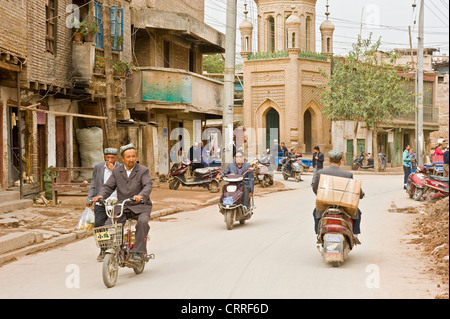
(208, 177)
(291, 168)
(230, 203)
(436, 187)
(365, 161)
(336, 235)
(416, 184)
(263, 172)
(118, 245)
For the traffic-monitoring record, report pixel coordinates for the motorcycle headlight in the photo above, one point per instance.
(231, 188)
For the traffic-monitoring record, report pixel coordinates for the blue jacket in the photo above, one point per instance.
(233, 169)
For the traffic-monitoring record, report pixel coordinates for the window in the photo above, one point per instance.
(308, 31)
(293, 39)
(166, 54)
(116, 21)
(50, 33)
(271, 34)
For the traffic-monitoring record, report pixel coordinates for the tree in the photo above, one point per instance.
(213, 63)
(364, 88)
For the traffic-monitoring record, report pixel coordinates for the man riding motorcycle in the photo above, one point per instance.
(132, 180)
(335, 159)
(239, 167)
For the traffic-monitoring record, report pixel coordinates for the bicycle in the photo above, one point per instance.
(117, 244)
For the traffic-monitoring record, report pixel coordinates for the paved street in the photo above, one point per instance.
(272, 256)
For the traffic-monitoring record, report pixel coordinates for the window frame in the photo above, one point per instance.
(51, 26)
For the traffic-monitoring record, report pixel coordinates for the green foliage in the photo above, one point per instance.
(213, 64)
(87, 28)
(365, 88)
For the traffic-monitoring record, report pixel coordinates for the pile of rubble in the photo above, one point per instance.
(431, 233)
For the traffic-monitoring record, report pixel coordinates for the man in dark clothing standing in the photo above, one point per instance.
(317, 162)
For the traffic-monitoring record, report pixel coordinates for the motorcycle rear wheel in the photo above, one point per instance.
(139, 269)
(428, 194)
(110, 270)
(298, 177)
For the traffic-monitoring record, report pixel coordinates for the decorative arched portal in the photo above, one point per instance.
(307, 131)
(272, 126)
(313, 133)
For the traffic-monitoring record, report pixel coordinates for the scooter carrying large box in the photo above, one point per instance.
(338, 191)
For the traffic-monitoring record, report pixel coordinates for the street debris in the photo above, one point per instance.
(431, 233)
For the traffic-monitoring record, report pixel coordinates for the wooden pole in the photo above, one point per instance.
(111, 121)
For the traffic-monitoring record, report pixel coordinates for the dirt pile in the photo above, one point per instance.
(431, 233)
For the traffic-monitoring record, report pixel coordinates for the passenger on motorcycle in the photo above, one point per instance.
(239, 167)
(132, 180)
(335, 158)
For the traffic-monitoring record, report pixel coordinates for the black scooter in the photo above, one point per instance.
(364, 161)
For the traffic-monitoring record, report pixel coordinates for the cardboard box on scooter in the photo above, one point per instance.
(338, 191)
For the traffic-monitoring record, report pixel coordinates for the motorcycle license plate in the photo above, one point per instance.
(260, 176)
(103, 236)
(335, 238)
(228, 201)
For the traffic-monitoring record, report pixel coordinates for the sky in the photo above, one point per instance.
(388, 19)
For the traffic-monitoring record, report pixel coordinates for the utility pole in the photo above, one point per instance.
(111, 122)
(419, 127)
(230, 60)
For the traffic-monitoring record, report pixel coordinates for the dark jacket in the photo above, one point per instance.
(318, 163)
(233, 169)
(139, 183)
(97, 180)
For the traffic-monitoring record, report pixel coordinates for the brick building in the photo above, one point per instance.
(169, 91)
(56, 77)
(282, 78)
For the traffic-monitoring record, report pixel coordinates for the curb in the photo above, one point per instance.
(38, 244)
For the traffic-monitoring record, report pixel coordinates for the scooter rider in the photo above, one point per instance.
(239, 167)
(335, 158)
(132, 180)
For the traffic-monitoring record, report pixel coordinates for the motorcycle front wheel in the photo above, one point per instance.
(418, 193)
(174, 184)
(355, 166)
(214, 186)
(229, 219)
(110, 270)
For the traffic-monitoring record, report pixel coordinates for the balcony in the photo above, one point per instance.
(164, 88)
(83, 74)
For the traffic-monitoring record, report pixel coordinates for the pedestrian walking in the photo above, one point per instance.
(406, 165)
(317, 162)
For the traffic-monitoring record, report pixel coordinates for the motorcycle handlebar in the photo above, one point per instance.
(110, 211)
